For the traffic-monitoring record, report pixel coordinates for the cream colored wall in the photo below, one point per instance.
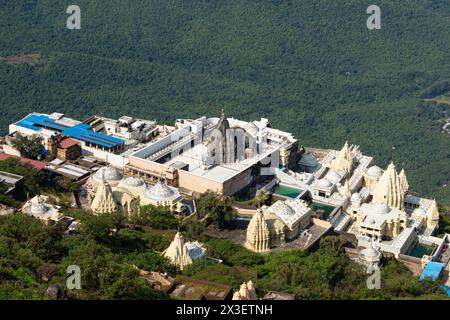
(10, 150)
(144, 164)
(116, 160)
(321, 223)
(370, 182)
(196, 183)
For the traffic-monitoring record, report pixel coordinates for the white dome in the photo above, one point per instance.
(324, 183)
(375, 171)
(159, 192)
(108, 173)
(308, 160)
(133, 183)
(382, 208)
(38, 206)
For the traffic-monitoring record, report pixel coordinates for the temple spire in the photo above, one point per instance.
(344, 159)
(433, 215)
(104, 201)
(390, 189)
(346, 190)
(404, 180)
(258, 236)
(178, 252)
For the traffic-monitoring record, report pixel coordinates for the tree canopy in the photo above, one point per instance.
(215, 208)
(28, 146)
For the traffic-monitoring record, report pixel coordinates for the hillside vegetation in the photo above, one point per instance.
(311, 66)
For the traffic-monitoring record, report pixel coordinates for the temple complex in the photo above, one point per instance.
(311, 191)
(40, 208)
(221, 154)
(391, 188)
(182, 253)
(110, 191)
(374, 205)
(246, 292)
(274, 225)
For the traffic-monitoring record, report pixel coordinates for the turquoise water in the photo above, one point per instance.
(287, 191)
(328, 209)
(420, 250)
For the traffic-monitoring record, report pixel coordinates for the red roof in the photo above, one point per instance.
(39, 165)
(68, 143)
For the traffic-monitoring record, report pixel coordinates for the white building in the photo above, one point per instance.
(219, 154)
(39, 208)
(374, 204)
(131, 190)
(182, 253)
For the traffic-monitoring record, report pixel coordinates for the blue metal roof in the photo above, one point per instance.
(80, 131)
(432, 270)
(28, 125)
(42, 121)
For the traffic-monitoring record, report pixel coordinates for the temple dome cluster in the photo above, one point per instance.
(129, 193)
(108, 174)
(133, 183)
(282, 208)
(158, 192)
(381, 208)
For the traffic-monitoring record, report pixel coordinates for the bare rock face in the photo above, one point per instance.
(55, 292)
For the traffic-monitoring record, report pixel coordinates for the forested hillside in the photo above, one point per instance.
(311, 66)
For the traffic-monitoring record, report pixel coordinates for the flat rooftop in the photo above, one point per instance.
(220, 173)
(69, 170)
(9, 178)
(79, 131)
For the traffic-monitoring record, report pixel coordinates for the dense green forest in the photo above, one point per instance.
(34, 257)
(311, 66)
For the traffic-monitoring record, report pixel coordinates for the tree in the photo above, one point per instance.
(151, 261)
(34, 180)
(105, 276)
(194, 228)
(211, 271)
(232, 254)
(332, 245)
(66, 184)
(29, 147)
(100, 227)
(215, 208)
(156, 217)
